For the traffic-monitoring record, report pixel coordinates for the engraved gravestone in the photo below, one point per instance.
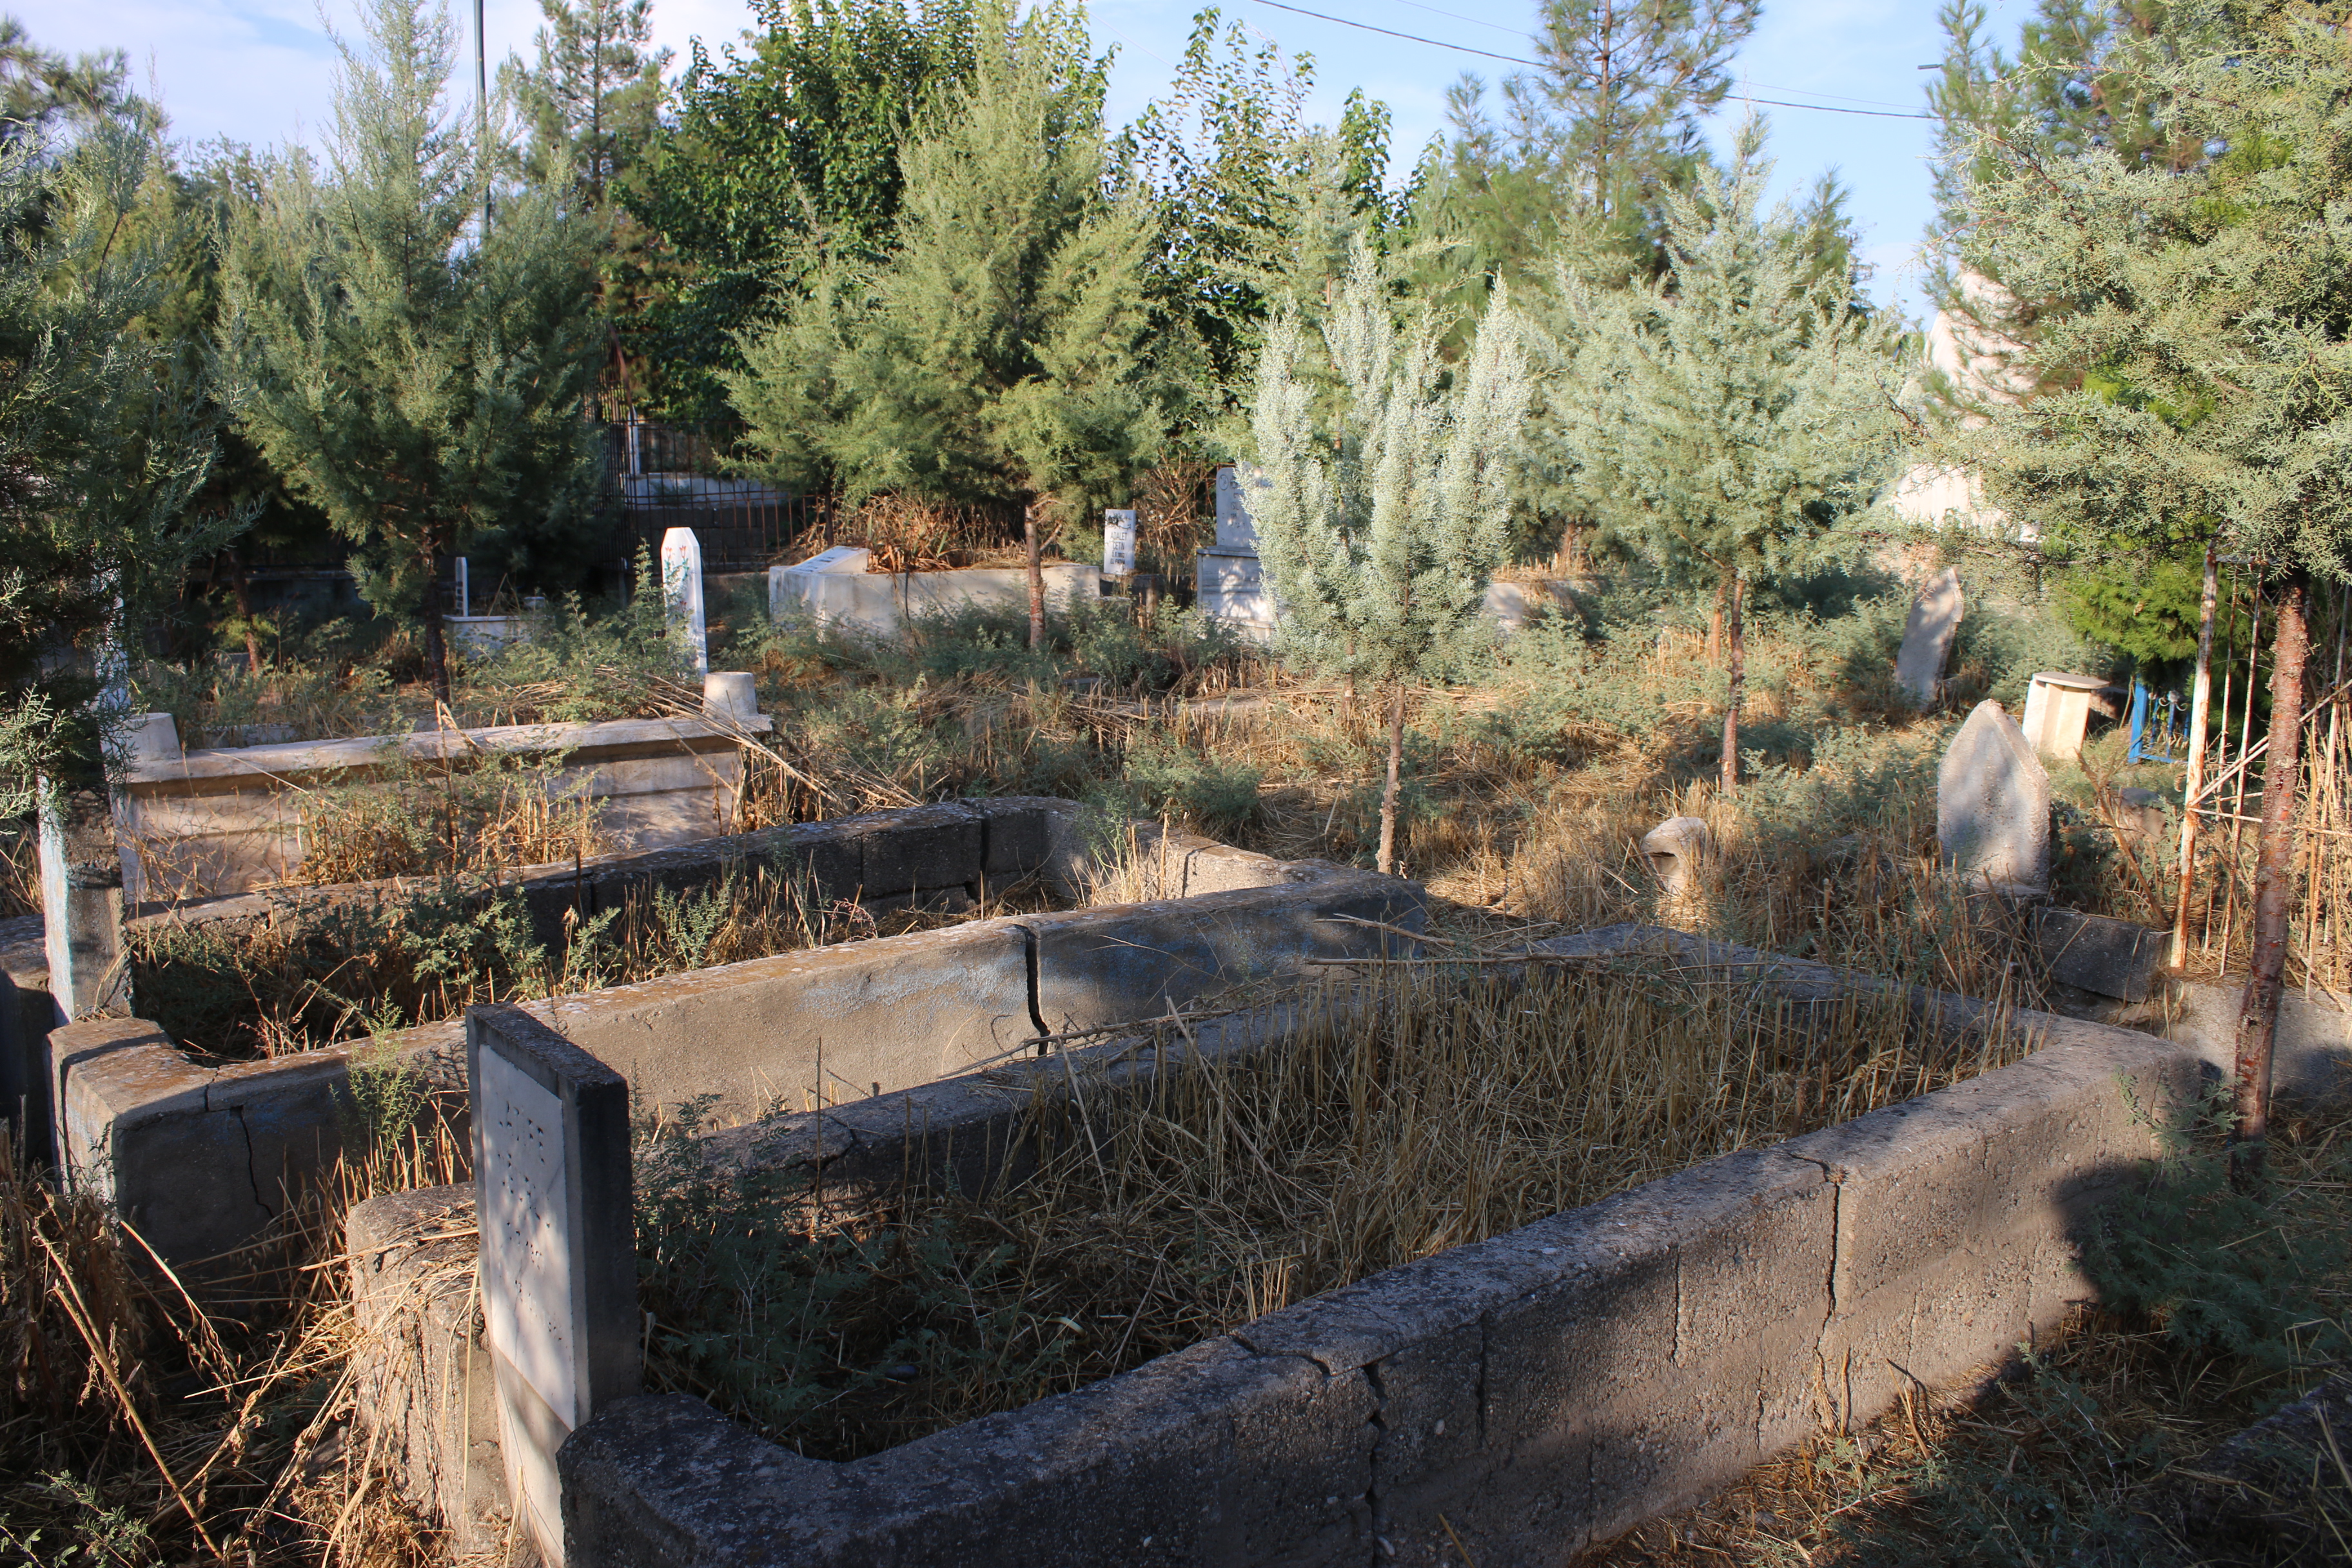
(558, 1261)
(1119, 541)
(1992, 803)
(1927, 636)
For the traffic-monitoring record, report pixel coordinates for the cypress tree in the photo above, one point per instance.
(1384, 505)
(425, 384)
(2184, 329)
(1732, 412)
(1007, 351)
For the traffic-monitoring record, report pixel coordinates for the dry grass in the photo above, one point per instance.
(420, 819)
(1229, 1188)
(145, 1423)
(307, 981)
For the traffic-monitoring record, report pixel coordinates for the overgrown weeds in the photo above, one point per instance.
(1226, 1188)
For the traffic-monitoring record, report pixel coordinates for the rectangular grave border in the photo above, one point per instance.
(1528, 1395)
(205, 1158)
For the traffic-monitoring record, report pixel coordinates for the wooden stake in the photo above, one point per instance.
(2273, 891)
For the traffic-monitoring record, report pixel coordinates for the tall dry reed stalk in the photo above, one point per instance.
(1442, 1107)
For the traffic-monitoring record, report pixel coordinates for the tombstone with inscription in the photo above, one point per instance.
(681, 569)
(1119, 541)
(1927, 636)
(1992, 803)
(1232, 586)
(559, 1259)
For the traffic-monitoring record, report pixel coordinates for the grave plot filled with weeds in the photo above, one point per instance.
(1444, 1106)
(321, 975)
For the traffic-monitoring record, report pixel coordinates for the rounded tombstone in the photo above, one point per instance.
(1674, 848)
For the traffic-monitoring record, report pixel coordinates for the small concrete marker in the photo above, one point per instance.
(1992, 803)
(1673, 848)
(559, 1260)
(681, 569)
(2058, 711)
(1927, 636)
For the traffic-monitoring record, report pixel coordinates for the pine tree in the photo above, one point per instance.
(103, 441)
(2184, 330)
(1006, 352)
(1734, 411)
(424, 385)
(594, 98)
(1384, 506)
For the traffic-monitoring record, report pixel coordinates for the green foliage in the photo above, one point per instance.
(594, 98)
(385, 1095)
(1252, 202)
(2214, 1266)
(1025, 371)
(422, 385)
(2181, 317)
(1733, 414)
(103, 438)
(100, 1533)
(2148, 610)
(778, 160)
(1379, 479)
(1165, 777)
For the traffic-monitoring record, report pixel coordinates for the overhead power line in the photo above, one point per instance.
(1538, 65)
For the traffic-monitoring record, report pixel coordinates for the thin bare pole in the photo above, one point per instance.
(2200, 699)
(482, 113)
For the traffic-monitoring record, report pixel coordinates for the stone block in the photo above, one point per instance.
(2108, 957)
(1015, 837)
(558, 1250)
(1992, 803)
(1140, 961)
(2311, 1055)
(423, 1387)
(1928, 633)
(1675, 848)
(82, 903)
(927, 849)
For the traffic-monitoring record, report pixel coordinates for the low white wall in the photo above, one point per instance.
(201, 824)
(836, 588)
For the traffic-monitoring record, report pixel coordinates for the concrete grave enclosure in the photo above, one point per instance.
(836, 588)
(197, 824)
(202, 1156)
(1511, 1400)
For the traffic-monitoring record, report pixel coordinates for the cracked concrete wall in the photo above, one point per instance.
(1521, 1397)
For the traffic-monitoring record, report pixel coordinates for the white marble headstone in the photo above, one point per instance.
(681, 568)
(1927, 636)
(526, 1287)
(1119, 541)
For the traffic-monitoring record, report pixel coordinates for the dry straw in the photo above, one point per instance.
(1443, 1107)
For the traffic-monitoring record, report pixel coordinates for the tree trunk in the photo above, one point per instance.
(436, 651)
(243, 588)
(1739, 644)
(2201, 701)
(1396, 767)
(1036, 577)
(2274, 891)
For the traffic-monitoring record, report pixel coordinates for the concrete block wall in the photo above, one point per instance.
(1526, 1395)
(200, 1157)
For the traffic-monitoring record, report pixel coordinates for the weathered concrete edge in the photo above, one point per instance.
(1157, 1477)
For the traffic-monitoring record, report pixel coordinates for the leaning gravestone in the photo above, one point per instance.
(1927, 636)
(681, 567)
(559, 1259)
(1992, 803)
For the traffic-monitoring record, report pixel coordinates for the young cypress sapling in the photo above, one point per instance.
(1380, 487)
(1731, 414)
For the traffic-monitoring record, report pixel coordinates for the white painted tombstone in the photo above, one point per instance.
(1231, 586)
(559, 1262)
(464, 594)
(1927, 636)
(1119, 541)
(2058, 710)
(1992, 803)
(681, 567)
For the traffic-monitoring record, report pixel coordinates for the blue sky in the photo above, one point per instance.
(260, 71)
